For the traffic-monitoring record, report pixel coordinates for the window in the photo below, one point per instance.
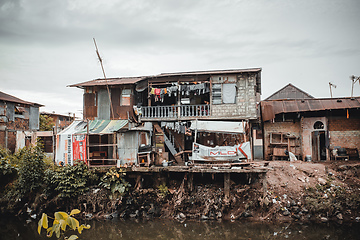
(125, 97)
(318, 125)
(229, 92)
(224, 93)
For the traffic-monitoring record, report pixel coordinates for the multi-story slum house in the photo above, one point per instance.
(311, 128)
(152, 119)
(18, 121)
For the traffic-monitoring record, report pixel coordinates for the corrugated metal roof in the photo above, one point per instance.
(212, 72)
(109, 81)
(271, 108)
(95, 127)
(8, 98)
(133, 80)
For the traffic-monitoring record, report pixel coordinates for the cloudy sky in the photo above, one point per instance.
(46, 45)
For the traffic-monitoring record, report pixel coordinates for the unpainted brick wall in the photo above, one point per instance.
(344, 133)
(19, 124)
(2, 139)
(277, 127)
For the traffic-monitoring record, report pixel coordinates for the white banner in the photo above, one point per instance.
(201, 152)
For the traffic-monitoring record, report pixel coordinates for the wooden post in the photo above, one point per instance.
(138, 182)
(264, 184)
(227, 185)
(87, 142)
(190, 181)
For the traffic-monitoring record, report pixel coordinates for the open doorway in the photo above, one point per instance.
(318, 146)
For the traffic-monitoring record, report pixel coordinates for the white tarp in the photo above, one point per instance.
(221, 153)
(218, 126)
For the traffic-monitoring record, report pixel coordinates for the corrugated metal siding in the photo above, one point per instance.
(103, 104)
(90, 109)
(10, 111)
(128, 147)
(34, 118)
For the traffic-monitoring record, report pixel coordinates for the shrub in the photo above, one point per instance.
(31, 169)
(70, 181)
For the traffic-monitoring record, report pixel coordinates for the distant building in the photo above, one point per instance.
(61, 121)
(47, 138)
(289, 92)
(18, 120)
(310, 127)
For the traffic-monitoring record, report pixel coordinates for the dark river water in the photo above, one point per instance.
(12, 228)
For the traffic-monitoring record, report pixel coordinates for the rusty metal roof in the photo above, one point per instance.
(271, 108)
(209, 72)
(8, 98)
(133, 80)
(109, 81)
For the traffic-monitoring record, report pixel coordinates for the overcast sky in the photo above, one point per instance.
(46, 45)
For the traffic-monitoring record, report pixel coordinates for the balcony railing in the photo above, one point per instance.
(179, 111)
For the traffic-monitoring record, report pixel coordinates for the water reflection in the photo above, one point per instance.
(168, 229)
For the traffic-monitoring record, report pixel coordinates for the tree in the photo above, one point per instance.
(46, 123)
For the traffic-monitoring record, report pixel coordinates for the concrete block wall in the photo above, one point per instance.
(344, 132)
(293, 128)
(245, 106)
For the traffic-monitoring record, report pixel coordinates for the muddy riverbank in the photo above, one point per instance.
(292, 191)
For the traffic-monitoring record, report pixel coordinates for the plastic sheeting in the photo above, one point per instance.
(71, 142)
(218, 126)
(229, 92)
(204, 153)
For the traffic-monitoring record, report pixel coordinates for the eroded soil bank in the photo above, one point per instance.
(293, 191)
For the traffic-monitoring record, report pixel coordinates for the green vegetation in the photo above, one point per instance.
(46, 123)
(163, 190)
(115, 182)
(62, 220)
(69, 181)
(31, 169)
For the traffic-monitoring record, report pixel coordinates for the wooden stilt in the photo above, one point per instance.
(227, 185)
(190, 182)
(138, 182)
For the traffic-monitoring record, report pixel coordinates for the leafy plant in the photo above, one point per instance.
(6, 168)
(31, 169)
(114, 181)
(61, 221)
(163, 190)
(71, 181)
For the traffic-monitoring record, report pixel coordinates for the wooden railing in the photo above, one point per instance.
(175, 111)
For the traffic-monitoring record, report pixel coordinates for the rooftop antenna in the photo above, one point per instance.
(331, 85)
(354, 79)
(107, 86)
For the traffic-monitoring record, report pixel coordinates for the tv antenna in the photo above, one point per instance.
(331, 85)
(354, 79)
(107, 86)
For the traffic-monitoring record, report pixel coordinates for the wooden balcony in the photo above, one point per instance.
(178, 112)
